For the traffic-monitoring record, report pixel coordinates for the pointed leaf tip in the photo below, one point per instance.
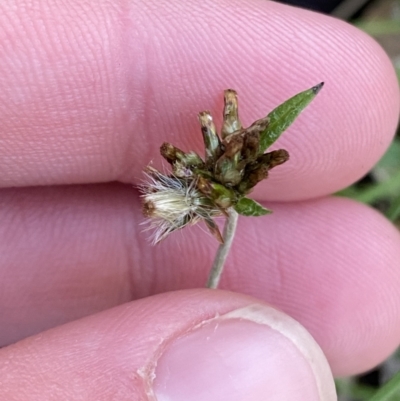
(249, 207)
(317, 88)
(283, 116)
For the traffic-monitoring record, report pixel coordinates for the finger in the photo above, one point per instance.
(94, 100)
(193, 345)
(332, 264)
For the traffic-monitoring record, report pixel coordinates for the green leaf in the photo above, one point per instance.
(379, 27)
(390, 391)
(373, 192)
(393, 212)
(249, 207)
(283, 116)
(389, 163)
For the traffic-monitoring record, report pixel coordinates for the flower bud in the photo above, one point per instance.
(172, 154)
(229, 168)
(211, 139)
(231, 122)
(220, 195)
(258, 171)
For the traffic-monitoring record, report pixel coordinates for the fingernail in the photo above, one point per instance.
(254, 353)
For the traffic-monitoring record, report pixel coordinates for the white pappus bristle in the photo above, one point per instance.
(171, 203)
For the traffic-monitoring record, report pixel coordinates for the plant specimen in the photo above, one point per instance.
(200, 189)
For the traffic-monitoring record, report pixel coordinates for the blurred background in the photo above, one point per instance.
(380, 188)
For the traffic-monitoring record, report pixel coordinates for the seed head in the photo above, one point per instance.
(200, 190)
(171, 203)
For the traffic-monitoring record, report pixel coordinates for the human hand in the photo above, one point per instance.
(87, 95)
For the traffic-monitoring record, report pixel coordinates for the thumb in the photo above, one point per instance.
(188, 345)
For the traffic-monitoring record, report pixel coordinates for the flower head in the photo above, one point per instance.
(200, 189)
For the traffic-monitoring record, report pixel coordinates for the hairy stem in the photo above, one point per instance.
(223, 250)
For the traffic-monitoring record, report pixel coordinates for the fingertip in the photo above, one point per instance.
(342, 134)
(332, 264)
(249, 353)
(197, 344)
(150, 69)
(336, 139)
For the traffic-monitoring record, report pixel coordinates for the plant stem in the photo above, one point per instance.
(223, 250)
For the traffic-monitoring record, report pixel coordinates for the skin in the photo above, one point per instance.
(89, 92)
